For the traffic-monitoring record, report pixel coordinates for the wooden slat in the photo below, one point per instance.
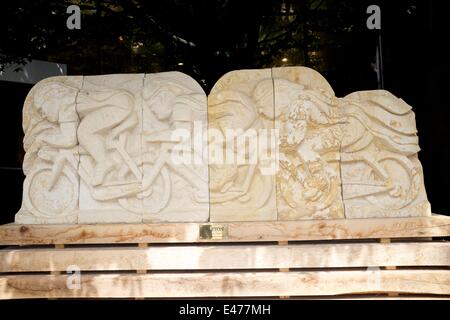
(228, 284)
(227, 257)
(434, 226)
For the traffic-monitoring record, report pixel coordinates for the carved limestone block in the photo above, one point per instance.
(100, 149)
(352, 157)
(310, 125)
(381, 173)
(175, 180)
(269, 144)
(50, 123)
(109, 135)
(242, 170)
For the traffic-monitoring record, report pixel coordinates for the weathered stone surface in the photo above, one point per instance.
(50, 123)
(310, 124)
(91, 157)
(269, 144)
(241, 103)
(174, 114)
(381, 174)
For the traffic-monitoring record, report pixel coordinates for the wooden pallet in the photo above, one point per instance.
(370, 258)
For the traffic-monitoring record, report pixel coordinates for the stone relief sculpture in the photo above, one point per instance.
(109, 135)
(50, 122)
(381, 174)
(270, 144)
(241, 103)
(175, 190)
(310, 124)
(91, 157)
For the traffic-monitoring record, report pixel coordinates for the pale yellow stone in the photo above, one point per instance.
(304, 76)
(175, 182)
(50, 122)
(381, 174)
(133, 148)
(246, 191)
(309, 120)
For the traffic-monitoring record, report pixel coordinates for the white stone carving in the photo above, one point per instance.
(50, 122)
(109, 134)
(174, 189)
(381, 174)
(242, 103)
(270, 144)
(92, 158)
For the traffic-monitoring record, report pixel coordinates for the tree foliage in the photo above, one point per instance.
(202, 38)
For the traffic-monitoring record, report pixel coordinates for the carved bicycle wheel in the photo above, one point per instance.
(302, 188)
(403, 184)
(62, 199)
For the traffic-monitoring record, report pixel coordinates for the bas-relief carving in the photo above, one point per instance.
(381, 173)
(51, 161)
(353, 157)
(174, 191)
(309, 120)
(99, 149)
(109, 134)
(240, 100)
(91, 158)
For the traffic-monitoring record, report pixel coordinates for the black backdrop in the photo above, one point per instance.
(416, 67)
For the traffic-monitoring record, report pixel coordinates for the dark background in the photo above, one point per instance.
(212, 37)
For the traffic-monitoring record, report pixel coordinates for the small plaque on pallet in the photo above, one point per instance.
(213, 232)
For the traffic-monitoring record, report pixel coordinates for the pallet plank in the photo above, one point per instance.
(243, 284)
(227, 257)
(433, 226)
